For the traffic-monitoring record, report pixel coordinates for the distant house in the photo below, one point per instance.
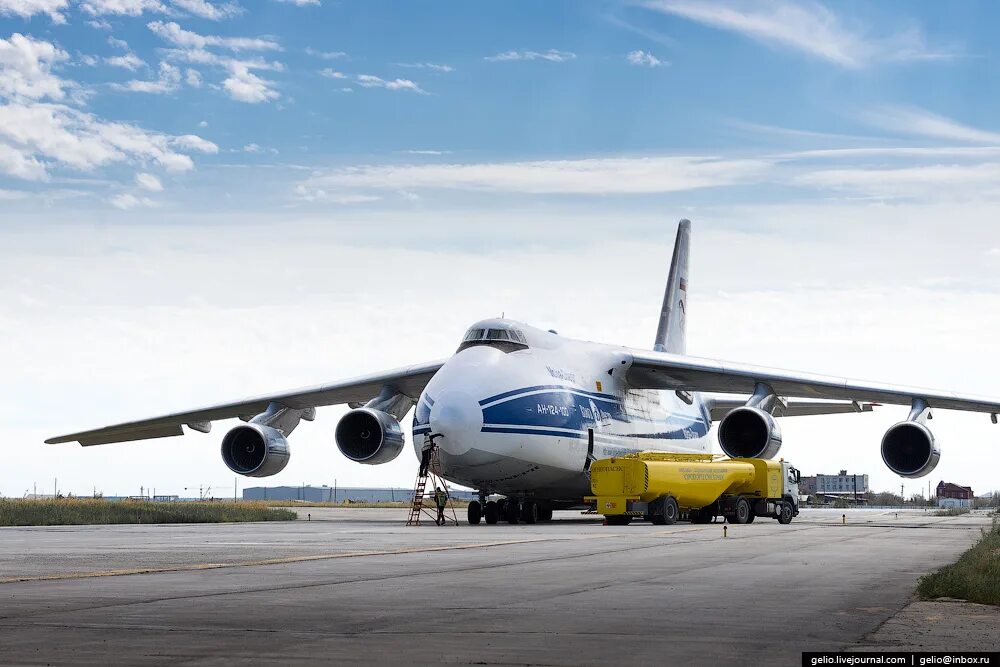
(954, 495)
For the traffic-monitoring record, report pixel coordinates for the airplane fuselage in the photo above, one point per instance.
(527, 418)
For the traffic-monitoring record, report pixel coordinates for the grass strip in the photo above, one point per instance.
(85, 511)
(974, 577)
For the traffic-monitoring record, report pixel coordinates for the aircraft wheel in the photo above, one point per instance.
(511, 511)
(544, 513)
(475, 513)
(529, 512)
(742, 512)
(491, 513)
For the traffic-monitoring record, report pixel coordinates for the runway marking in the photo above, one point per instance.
(261, 562)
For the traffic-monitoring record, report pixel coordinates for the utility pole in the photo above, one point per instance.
(235, 479)
(902, 498)
(55, 487)
(855, 490)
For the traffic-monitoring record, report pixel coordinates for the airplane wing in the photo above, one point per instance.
(720, 407)
(662, 370)
(409, 381)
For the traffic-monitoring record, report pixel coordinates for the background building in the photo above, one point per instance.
(954, 495)
(333, 494)
(830, 487)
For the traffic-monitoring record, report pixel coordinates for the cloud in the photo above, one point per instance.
(253, 148)
(25, 9)
(169, 80)
(192, 78)
(174, 34)
(918, 122)
(40, 136)
(245, 86)
(192, 142)
(206, 10)
(128, 200)
(584, 177)
(371, 81)
(121, 7)
(806, 26)
(149, 182)
(425, 152)
(644, 59)
(431, 66)
(955, 182)
(314, 194)
(326, 55)
(332, 74)
(129, 61)
(26, 69)
(552, 55)
(301, 3)
(241, 83)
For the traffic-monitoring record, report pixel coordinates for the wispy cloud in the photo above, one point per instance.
(804, 26)
(552, 55)
(952, 182)
(172, 33)
(127, 200)
(326, 55)
(918, 122)
(588, 176)
(434, 67)
(371, 81)
(207, 10)
(644, 59)
(168, 81)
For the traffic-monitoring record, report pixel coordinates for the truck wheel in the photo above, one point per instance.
(491, 513)
(475, 513)
(753, 515)
(742, 512)
(785, 515)
(529, 512)
(670, 510)
(618, 519)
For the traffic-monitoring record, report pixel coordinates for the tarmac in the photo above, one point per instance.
(355, 586)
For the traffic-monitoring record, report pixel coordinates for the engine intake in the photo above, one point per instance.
(369, 436)
(255, 450)
(749, 433)
(910, 450)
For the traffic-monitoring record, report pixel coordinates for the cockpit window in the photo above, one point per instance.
(506, 339)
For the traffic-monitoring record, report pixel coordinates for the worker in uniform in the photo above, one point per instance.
(425, 456)
(440, 499)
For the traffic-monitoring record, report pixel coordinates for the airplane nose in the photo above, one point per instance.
(458, 418)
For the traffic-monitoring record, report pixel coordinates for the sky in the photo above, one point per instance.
(201, 201)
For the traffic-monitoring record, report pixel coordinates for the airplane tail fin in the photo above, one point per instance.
(670, 332)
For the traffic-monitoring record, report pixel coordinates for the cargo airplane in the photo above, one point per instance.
(523, 412)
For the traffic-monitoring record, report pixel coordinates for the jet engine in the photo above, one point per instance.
(255, 450)
(369, 436)
(749, 433)
(910, 450)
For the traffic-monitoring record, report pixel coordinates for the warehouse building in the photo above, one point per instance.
(826, 488)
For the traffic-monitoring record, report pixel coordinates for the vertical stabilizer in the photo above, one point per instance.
(670, 336)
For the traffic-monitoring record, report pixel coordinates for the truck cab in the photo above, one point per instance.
(790, 492)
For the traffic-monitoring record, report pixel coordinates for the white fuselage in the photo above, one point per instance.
(528, 421)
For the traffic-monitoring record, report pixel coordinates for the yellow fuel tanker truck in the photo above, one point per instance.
(663, 488)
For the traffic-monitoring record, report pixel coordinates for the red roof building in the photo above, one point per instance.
(949, 490)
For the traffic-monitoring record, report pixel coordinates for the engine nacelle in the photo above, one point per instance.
(749, 433)
(369, 436)
(255, 450)
(909, 449)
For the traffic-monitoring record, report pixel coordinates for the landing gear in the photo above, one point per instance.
(544, 513)
(475, 512)
(491, 513)
(511, 510)
(529, 512)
